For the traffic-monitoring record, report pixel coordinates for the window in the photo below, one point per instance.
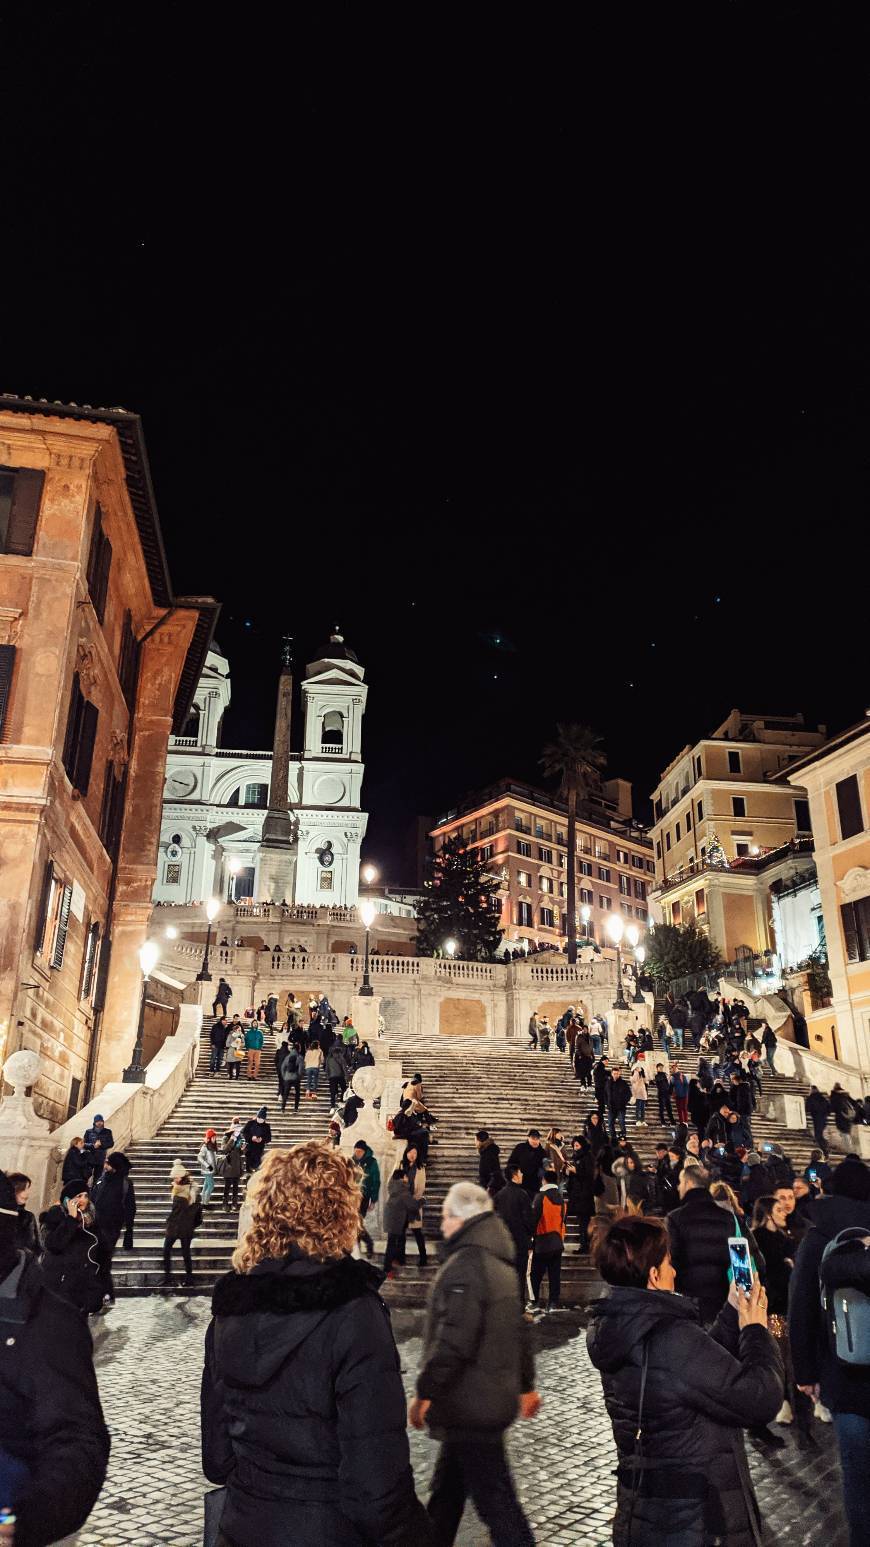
(659, 813)
(546, 884)
(849, 807)
(539, 829)
(563, 888)
(78, 746)
(524, 849)
(61, 923)
(641, 913)
(738, 805)
(650, 864)
(658, 848)
(99, 564)
(667, 840)
(523, 878)
(332, 731)
(741, 848)
(626, 908)
(112, 811)
(256, 794)
(524, 914)
(622, 856)
(7, 666)
(676, 913)
(698, 767)
(733, 762)
(699, 810)
(89, 961)
(640, 889)
(677, 833)
(128, 663)
(560, 836)
(172, 875)
(703, 853)
(637, 861)
(75, 1090)
(46, 899)
(586, 897)
(20, 494)
(548, 918)
(604, 874)
(625, 886)
(605, 904)
(856, 929)
(688, 821)
(802, 816)
(546, 856)
(486, 853)
(602, 850)
(700, 902)
(585, 868)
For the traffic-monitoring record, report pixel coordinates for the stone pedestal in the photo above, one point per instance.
(277, 866)
(789, 1110)
(26, 1143)
(365, 1013)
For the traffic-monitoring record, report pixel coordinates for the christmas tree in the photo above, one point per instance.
(460, 904)
(715, 853)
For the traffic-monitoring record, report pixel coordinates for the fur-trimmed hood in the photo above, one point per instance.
(264, 1316)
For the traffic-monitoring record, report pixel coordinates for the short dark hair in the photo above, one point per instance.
(627, 1247)
(550, 1176)
(482, 1134)
(515, 1170)
(534, 1133)
(17, 1180)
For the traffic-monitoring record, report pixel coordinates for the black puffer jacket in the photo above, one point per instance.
(476, 1356)
(489, 1173)
(699, 1232)
(303, 1411)
(845, 1387)
(50, 1414)
(702, 1388)
(76, 1259)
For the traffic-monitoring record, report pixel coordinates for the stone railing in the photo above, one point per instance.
(477, 972)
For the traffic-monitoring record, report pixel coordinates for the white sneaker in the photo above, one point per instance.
(785, 1414)
(822, 1413)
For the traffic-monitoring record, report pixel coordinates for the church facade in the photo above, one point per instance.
(216, 799)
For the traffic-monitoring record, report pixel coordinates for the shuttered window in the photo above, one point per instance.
(7, 666)
(128, 663)
(92, 941)
(45, 897)
(60, 933)
(20, 495)
(81, 733)
(112, 811)
(99, 564)
(849, 807)
(856, 929)
(105, 957)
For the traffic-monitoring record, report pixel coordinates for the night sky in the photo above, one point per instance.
(537, 359)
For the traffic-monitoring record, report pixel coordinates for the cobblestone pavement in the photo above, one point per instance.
(149, 1361)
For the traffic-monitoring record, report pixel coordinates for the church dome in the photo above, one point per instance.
(335, 649)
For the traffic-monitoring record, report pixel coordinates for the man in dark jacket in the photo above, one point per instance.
(618, 1097)
(218, 1039)
(222, 997)
(51, 1422)
(489, 1172)
(256, 1134)
(663, 1089)
(99, 1142)
(581, 1181)
(115, 1207)
(819, 1108)
(698, 1233)
(290, 1065)
(600, 1082)
(514, 1206)
(843, 1388)
(477, 1371)
(530, 1156)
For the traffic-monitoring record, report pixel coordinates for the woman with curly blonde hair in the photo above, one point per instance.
(303, 1409)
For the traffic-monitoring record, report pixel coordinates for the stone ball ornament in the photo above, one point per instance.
(368, 1083)
(21, 1070)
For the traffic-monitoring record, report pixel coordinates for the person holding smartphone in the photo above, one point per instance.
(677, 1395)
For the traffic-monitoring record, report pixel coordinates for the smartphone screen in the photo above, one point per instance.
(738, 1250)
(813, 1175)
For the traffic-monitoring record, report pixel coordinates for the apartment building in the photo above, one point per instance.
(722, 813)
(520, 833)
(98, 661)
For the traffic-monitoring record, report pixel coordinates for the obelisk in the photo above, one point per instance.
(277, 851)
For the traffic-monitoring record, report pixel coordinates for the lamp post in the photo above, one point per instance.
(212, 909)
(450, 948)
(134, 1074)
(234, 865)
(367, 913)
(369, 874)
(640, 958)
(171, 932)
(616, 929)
(586, 914)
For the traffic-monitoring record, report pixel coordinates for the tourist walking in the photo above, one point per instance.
(416, 1174)
(663, 1090)
(26, 1231)
(770, 1224)
(313, 1065)
(580, 1195)
(514, 1207)
(533, 1031)
(184, 1217)
(336, 1074)
(618, 1097)
(218, 1041)
(254, 1040)
(819, 1108)
(290, 1069)
(639, 1094)
(256, 1134)
(476, 1372)
(303, 1410)
(78, 1168)
(678, 1396)
(222, 996)
(583, 1059)
(529, 1155)
(54, 1444)
(99, 1142)
(370, 1184)
(231, 1146)
(601, 1081)
(235, 1052)
(544, 1034)
(548, 1241)
(680, 1093)
(208, 1160)
(398, 1207)
(115, 1210)
(489, 1172)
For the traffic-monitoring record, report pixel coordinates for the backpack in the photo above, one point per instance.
(846, 1307)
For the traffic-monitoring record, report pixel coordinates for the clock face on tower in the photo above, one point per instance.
(180, 784)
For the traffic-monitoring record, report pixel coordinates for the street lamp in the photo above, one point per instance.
(640, 958)
(367, 911)
(586, 914)
(212, 909)
(171, 932)
(632, 935)
(616, 929)
(233, 867)
(369, 874)
(134, 1074)
(450, 948)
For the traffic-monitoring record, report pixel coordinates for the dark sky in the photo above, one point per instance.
(557, 339)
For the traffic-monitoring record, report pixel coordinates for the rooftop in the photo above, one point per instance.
(602, 814)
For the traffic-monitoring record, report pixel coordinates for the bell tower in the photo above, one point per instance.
(331, 823)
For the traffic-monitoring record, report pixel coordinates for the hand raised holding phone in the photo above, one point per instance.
(751, 1308)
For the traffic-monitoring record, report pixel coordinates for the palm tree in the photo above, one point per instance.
(575, 759)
